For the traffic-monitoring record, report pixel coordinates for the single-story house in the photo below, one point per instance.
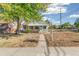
(38, 26)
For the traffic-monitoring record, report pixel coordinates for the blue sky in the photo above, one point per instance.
(69, 13)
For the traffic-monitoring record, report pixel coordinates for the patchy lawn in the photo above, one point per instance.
(23, 40)
(63, 39)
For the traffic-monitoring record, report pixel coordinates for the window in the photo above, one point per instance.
(36, 27)
(31, 27)
(44, 27)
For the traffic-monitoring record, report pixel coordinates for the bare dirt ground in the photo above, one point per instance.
(22, 40)
(65, 39)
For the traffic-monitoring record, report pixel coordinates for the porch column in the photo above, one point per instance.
(33, 27)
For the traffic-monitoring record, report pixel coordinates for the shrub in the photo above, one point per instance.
(28, 30)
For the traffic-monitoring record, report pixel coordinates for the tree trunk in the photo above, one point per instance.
(18, 23)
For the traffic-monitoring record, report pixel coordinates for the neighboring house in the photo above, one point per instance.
(38, 26)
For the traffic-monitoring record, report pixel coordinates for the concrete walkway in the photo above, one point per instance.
(43, 44)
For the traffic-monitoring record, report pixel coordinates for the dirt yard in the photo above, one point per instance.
(22, 40)
(65, 39)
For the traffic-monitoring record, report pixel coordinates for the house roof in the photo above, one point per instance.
(37, 24)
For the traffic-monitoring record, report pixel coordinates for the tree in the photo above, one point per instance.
(66, 25)
(27, 11)
(77, 23)
(48, 22)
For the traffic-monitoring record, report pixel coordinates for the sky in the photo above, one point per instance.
(69, 13)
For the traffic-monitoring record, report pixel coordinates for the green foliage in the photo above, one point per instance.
(19, 10)
(50, 27)
(77, 23)
(66, 25)
(28, 30)
(47, 21)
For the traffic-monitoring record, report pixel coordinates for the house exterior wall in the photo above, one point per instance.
(38, 28)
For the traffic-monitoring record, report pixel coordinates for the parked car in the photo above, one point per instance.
(3, 27)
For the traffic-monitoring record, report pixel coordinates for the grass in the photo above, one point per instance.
(65, 39)
(23, 40)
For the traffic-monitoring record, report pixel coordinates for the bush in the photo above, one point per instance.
(28, 30)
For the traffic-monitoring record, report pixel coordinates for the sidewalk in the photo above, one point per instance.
(21, 52)
(64, 51)
(67, 51)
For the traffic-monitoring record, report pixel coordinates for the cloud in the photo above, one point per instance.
(46, 13)
(58, 4)
(65, 3)
(74, 16)
(44, 18)
(56, 10)
(53, 21)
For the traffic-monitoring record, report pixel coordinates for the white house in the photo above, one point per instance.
(38, 26)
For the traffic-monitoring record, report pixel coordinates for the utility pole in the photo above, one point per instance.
(60, 19)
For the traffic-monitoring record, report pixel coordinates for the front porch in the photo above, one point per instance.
(38, 27)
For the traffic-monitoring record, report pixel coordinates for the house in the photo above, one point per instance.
(38, 26)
